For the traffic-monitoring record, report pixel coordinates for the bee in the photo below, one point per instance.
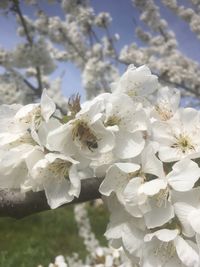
(92, 145)
(85, 135)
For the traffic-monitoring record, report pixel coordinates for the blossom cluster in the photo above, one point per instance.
(139, 139)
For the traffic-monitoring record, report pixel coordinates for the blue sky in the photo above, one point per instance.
(125, 17)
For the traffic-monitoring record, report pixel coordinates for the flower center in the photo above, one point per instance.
(163, 112)
(37, 117)
(24, 139)
(113, 120)
(59, 168)
(133, 88)
(132, 92)
(33, 116)
(183, 143)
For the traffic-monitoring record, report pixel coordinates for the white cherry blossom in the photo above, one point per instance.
(178, 137)
(167, 103)
(58, 176)
(166, 247)
(138, 83)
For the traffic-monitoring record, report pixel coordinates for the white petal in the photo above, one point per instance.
(134, 200)
(191, 196)
(194, 219)
(60, 140)
(115, 181)
(74, 178)
(33, 157)
(48, 107)
(169, 154)
(153, 187)
(150, 163)
(184, 175)
(131, 192)
(51, 157)
(106, 142)
(46, 128)
(128, 167)
(129, 145)
(165, 235)
(182, 210)
(159, 215)
(57, 192)
(186, 253)
(25, 110)
(132, 238)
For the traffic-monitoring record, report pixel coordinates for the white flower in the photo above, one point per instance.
(178, 137)
(167, 248)
(58, 175)
(24, 126)
(36, 113)
(167, 103)
(155, 207)
(136, 82)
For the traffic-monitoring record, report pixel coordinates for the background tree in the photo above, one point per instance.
(83, 38)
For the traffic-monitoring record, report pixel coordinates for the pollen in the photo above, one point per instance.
(131, 93)
(33, 116)
(164, 113)
(161, 197)
(183, 143)
(113, 120)
(24, 139)
(133, 88)
(37, 117)
(60, 168)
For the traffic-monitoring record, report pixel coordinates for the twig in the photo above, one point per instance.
(18, 205)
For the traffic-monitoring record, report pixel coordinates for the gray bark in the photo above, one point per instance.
(18, 205)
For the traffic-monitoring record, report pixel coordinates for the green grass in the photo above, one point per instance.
(39, 238)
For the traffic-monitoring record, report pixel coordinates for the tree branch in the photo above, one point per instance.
(17, 10)
(18, 205)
